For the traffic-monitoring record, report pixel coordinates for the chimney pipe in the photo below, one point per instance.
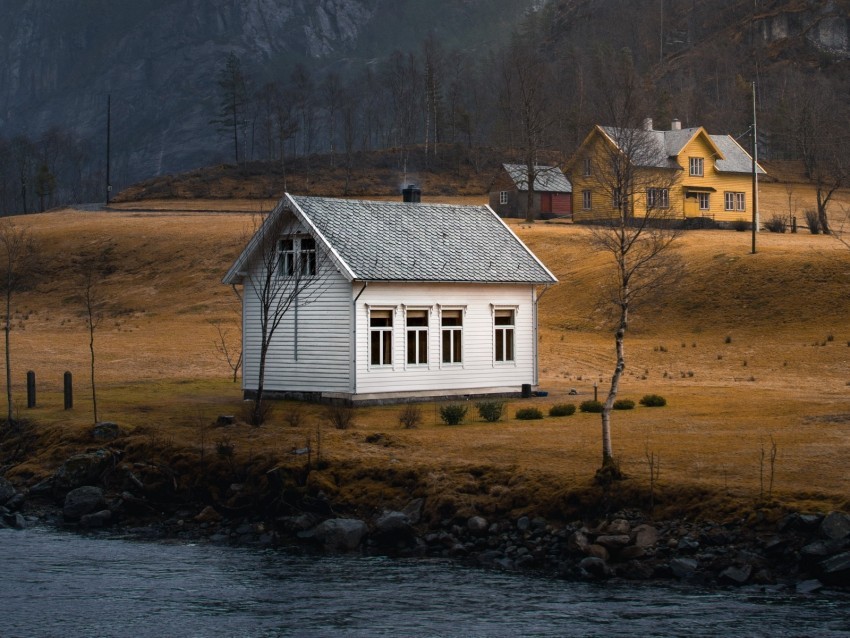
(647, 124)
(412, 194)
(675, 125)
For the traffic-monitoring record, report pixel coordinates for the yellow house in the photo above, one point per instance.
(686, 172)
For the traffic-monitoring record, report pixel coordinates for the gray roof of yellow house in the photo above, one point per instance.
(664, 146)
(410, 242)
(547, 179)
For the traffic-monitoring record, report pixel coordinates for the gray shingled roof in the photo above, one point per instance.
(396, 241)
(547, 179)
(666, 145)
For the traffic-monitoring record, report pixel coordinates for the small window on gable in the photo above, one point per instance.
(286, 256)
(308, 256)
(297, 257)
(503, 197)
(588, 167)
(696, 166)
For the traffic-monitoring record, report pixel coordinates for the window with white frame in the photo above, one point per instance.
(380, 337)
(451, 335)
(657, 198)
(588, 167)
(297, 257)
(586, 200)
(696, 166)
(503, 197)
(735, 201)
(503, 327)
(417, 337)
(704, 201)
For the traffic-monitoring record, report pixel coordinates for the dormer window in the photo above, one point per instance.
(696, 166)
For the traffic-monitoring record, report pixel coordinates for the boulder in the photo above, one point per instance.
(101, 518)
(578, 543)
(835, 526)
(340, 534)
(393, 526)
(106, 431)
(80, 470)
(413, 510)
(611, 541)
(836, 569)
(630, 553)
(208, 515)
(809, 586)
(15, 520)
(597, 551)
(592, 567)
(683, 568)
(477, 525)
(523, 523)
(736, 575)
(618, 527)
(645, 536)
(7, 491)
(81, 501)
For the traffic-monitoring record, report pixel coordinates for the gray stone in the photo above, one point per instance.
(645, 535)
(687, 544)
(7, 491)
(80, 470)
(477, 525)
(16, 520)
(613, 541)
(736, 575)
(106, 431)
(16, 502)
(630, 553)
(340, 534)
(523, 523)
(597, 551)
(836, 569)
(618, 527)
(393, 525)
(835, 526)
(81, 501)
(100, 518)
(578, 542)
(683, 568)
(413, 510)
(592, 567)
(809, 586)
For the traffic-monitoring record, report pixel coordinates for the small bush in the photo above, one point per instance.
(562, 409)
(490, 411)
(590, 406)
(294, 415)
(453, 413)
(624, 404)
(258, 416)
(528, 414)
(224, 448)
(340, 416)
(728, 339)
(653, 401)
(776, 224)
(741, 225)
(813, 221)
(411, 416)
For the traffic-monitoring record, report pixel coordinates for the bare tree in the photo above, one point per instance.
(289, 271)
(225, 348)
(92, 267)
(233, 85)
(643, 223)
(17, 265)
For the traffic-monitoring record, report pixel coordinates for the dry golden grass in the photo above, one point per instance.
(783, 376)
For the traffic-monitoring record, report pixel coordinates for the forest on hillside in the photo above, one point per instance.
(535, 95)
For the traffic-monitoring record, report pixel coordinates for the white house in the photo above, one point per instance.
(408, 301)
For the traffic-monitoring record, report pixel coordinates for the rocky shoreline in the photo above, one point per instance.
(802, 552)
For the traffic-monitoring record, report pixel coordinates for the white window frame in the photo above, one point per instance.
(586, 200)
(696, 166)
(453, 333)
(297, 256)
(307, 256)
(704, 201)
(504, 335)
(657, 198)
(735, 201)
(503, 198)
(384, 350)
(286, 251)
(416, 331)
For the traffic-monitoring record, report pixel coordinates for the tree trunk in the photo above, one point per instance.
(257, 408)
(91, 349)
(619, 340)
(8, 328)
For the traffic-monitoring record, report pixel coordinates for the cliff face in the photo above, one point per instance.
(158, 60)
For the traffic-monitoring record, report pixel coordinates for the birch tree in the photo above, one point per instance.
(289, 271)
(17, 265)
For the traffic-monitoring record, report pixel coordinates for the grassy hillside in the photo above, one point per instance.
(747, 349)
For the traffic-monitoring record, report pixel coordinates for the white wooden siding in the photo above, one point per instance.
(478, 371)
(322, 361)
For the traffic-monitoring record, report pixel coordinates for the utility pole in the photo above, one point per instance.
(755, 172)
(108, 135)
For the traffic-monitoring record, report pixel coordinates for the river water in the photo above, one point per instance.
(59, 584)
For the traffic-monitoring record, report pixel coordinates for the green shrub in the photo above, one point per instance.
(453, 413)
(653, 401)
(624, 404)
(562, 409)
(490, 410)
(590, 406)
(528, 414)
